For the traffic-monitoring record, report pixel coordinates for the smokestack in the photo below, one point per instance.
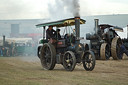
(3, 40)
(77, 28)
(127, 31)
(96, 25)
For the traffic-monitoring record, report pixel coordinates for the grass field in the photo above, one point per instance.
(28, 71)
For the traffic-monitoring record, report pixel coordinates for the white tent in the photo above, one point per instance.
(123, 34)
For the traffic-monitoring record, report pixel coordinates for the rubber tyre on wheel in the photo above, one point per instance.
(69, 61)
(48, 56)
(88, 60)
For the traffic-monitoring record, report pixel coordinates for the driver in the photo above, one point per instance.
(50, 33)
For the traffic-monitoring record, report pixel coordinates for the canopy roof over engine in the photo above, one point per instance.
(104, 26)
(61, 23)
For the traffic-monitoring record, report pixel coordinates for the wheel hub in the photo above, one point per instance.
(89, 61)
(68, 61)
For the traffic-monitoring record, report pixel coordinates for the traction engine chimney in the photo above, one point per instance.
(77, 28)
(96, 25)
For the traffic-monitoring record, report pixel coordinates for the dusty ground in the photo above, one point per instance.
(28, 71)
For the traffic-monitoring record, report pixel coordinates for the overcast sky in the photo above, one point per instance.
(39, 9)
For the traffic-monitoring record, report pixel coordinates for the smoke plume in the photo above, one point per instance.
(64, 8)
(76, 7)
(73, 6)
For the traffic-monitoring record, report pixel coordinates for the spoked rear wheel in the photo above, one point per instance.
(88, 61)
(69, 61)
(48, 56)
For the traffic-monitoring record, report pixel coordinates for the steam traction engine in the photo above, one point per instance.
(105, 42)
(66, 51)
(7, 47)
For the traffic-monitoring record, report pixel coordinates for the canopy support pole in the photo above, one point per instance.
(43, 32)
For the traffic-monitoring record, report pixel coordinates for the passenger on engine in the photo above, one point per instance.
(104, 35)
(57, 34)
(50, 32)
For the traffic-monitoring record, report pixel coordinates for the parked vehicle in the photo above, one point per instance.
(105, 41)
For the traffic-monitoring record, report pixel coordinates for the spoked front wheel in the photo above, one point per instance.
(88, 61)
(69, 61)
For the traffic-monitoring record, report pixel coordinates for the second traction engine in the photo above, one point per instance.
(105, 42)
